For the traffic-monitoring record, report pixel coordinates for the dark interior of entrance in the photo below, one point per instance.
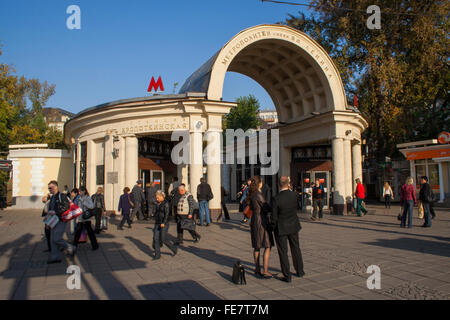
(155, 162)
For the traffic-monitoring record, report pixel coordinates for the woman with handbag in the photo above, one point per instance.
(259, 227)
(84, 220)
(125, 204)
(388, 195)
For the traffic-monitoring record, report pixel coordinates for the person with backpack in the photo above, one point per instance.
(184, 211)
(86, 205)
(99, 208)
(426, 197)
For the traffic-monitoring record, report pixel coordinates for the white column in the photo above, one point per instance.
(213, 166)
(233, 186)
(91, 167)
(338, 171)
(356, 163)
(77, 178)
(441, 183)
(131, 161)
(348, 170)
(109, 167)
(196, 162)
(285, 161)
(119, 167)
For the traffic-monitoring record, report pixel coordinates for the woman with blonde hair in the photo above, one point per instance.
(388, 195)
(99, 208)
(407, 201)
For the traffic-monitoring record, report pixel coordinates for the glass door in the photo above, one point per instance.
(157, 177)
(324, 177)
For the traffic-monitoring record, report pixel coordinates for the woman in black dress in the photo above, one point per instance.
(261, 235)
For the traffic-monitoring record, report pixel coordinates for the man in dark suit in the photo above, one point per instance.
(287, 227)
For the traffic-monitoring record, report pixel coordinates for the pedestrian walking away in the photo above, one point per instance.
(408, 201)
(243, 201)
(287, 227)
(125, 206)
(139, 202)
(426, 197)
(360, 194)
(223, 194)
(99, 208)
(204, 195)
(184, 215)
(151, 199)
(86, 205)
(261, 236)
(173, 195)
(388, 195)
(161, 225)
(59, 203)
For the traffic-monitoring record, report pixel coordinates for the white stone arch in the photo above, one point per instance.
(295, 70)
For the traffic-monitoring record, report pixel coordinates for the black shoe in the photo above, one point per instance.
(207, 224)
(53, 261)
(425, 226)
(48, 250)
(300, 274)
(129, 226)
(285, 279)
(119, 228)
(95, 248)
(178, 242)
(156, 257)
(197, 239)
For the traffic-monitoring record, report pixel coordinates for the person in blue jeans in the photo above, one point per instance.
(204, 194)
(407, 201)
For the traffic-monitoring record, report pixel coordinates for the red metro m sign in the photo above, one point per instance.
(155, 85)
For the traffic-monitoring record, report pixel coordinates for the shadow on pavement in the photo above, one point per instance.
(179, 290)
(411, 244)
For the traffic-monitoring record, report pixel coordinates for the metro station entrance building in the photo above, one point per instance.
(116, 143)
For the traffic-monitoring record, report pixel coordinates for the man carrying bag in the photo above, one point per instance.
(59, 204)
(185, 221)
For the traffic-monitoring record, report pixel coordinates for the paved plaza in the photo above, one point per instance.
(414, 263)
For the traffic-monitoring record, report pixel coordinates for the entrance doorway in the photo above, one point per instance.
(307, 180)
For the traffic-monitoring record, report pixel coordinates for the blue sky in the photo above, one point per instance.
(122, 44)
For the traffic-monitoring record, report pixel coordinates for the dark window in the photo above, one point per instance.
(100, 175)
(83, 158)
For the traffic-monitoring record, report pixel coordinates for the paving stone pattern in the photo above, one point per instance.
(414, 263)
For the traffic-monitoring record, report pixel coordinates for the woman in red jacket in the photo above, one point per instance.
(408, 200)
(360, 194)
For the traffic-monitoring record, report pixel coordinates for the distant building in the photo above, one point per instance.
(270, 118)
(56, 117)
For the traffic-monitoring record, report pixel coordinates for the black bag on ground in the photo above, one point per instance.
(238, 276)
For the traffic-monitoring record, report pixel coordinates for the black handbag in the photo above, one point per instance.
(188, 224)
(88, 214)
(238, 276)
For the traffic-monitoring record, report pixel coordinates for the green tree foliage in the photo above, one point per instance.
(244, 115)
(400, 72)
(21, 118)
